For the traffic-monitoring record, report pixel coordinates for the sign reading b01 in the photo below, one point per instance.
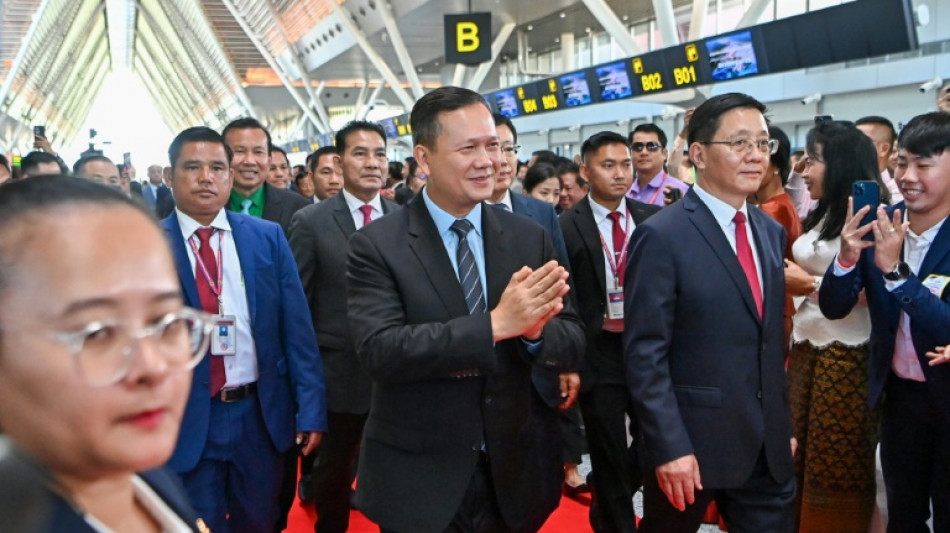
(468, 38)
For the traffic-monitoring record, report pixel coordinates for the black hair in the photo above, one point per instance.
(545, 156)
(314, 159)
(878, 120)
(424, 118)
(537, 174)
(568, 167)
(849, 156)
(299, 176)
(708, 116)
(502, 120)
(44, 196)
(31, 162)
(274, 148)
(413, 167)
(246, 123)
(357, 125)
(597, 140)
(649, 127)
(194, 135)
(83, 161)
(395, 170)
(926, 135)
(782, 158)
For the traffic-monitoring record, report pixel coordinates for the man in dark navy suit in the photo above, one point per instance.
(904, 273)
(704, 294)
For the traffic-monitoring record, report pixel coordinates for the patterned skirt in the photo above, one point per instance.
(837, 436)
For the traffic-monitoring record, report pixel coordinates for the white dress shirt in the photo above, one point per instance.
(606, 228)
(353, 204)
(240, 368)
(724, 213)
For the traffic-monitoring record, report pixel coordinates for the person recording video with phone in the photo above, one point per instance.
(648, 144)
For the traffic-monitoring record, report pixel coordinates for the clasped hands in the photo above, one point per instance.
(888, 237)
(531, 298)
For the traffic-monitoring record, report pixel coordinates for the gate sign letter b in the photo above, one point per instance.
(468, 38)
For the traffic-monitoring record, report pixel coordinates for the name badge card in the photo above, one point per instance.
(615, 304)
(224, 336)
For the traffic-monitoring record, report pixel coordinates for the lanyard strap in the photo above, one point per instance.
(658, 189)
(617, 267)
(215, 286)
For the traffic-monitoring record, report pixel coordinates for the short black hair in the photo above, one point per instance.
(545, 156)
(502, 120)
(926, 135)
(649, 127)
(246, 123)
(44, 196)
(194, 135)
(424, 118)
(395, 170)
(878, 120)
(298, 177)
(314, 159)
(31, 162)
(782, 158)
(603, 138)
(413, 167)
(357, 125)
(83, 161)
(708, 116)
(538, 174)
(274, 148)
(566, 167)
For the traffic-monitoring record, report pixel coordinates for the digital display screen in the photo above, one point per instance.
(507, 103)
(575, 89)
(614, 81)
(732, 56)
(390, 127)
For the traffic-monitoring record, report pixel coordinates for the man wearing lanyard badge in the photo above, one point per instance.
(648, 143)
(596, 232)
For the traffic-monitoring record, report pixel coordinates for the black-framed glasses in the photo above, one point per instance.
(105, 351)
(651, 146)
(510, 149)
(742, 146)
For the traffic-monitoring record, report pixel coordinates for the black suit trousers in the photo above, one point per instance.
(333, 470)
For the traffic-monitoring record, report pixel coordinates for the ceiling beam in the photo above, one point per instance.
(395, 37)
(371, 101)
(666, 20)
(753, 13)
(697, 20)
(614, 26)
(497, 46)
(21, 54)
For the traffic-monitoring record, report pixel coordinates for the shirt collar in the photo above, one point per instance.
(723, 212)
(257, 197)
(444, 220)
(353, 203)
(654, 183)
(926, 237)
(601, 212)
(190, 225)
(506, 200)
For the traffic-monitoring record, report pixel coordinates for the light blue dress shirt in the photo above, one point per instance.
(443, 223)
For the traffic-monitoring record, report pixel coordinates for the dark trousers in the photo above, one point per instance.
(235, 485)
(760, 505)
(616, 471)
(915, 456)
(333, 471)
(288, 489)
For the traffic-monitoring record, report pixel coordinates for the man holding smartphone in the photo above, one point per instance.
(651, 181)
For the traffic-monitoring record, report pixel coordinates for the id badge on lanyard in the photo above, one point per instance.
(615, 293)
(224, 334)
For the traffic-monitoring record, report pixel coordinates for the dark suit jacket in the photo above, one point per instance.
(318, 237)
(586, 254)
(542, 214)
(281, 205)
(412, 332)
(929, 314)
(403, 195)
(290, 376)
(164, 202)
(706, 374)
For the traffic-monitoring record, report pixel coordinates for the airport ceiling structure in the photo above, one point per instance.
(288, 62)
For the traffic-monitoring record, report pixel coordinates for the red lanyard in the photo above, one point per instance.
(658, 189)
(617, 267)
(215, 286)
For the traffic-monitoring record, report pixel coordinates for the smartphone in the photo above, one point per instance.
(39, 130)
(127, 159)
(866, 193)
(674, 194)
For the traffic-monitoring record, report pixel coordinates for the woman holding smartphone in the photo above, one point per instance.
(828, 361)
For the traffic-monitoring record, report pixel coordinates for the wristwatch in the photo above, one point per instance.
(901, 272)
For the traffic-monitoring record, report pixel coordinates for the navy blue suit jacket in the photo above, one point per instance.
(544, 215)
(929, 314)
(290, 384)
(705, 372)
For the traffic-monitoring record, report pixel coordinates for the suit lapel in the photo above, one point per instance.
(707, 226)
(590, 235)
(342, 216)
(938, 250)
(271, 209)
(519, 205)
(245, 243)
(763, 245)
(496, 252)
(426, 244)
(185, 273)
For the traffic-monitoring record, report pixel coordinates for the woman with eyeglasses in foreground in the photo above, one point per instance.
(96, 352)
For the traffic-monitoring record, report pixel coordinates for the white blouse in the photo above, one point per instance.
(154, 505)
(809, 324)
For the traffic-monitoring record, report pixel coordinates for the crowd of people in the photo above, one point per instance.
(729, 325)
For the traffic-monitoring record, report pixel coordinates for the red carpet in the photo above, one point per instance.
(569, 517)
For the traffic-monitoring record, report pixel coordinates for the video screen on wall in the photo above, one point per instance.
(575, 89)
(614, 81)
(732, 56)
(507, 103)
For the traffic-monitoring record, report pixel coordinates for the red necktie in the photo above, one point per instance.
(209, 301)
(367, 211)
(744, 251)
(620, 235)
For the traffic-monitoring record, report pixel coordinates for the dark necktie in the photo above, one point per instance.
(503, 207)
(209, 301)
(619, 233)
(367, 211)
(468, 270)
(744, 252)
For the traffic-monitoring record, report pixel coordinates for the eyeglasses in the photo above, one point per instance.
(812, 159)
(742, 146)
(651, 146)
(511, 149)
(104, 351)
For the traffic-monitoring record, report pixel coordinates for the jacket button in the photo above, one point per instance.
(758, 394)
(487, 400)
